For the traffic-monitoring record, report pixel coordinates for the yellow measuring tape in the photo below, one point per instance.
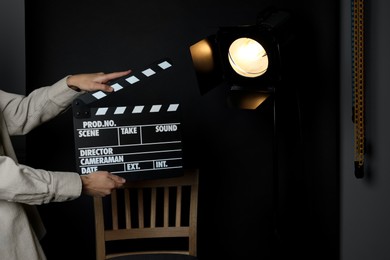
(358, 85)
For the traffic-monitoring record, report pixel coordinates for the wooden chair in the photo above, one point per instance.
(149, 217)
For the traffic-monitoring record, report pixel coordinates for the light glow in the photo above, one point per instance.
(248, 58)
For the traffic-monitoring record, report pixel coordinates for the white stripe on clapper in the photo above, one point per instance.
(99, 94)
(119, 110)
(138, 109)
(148, 72)
(132, 79)
(172, 107)
(101, 111)
(117, 87)
(155, 108)
(164, 65)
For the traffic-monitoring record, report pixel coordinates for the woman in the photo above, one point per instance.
(21, 186)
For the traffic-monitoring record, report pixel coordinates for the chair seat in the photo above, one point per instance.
(156, 257)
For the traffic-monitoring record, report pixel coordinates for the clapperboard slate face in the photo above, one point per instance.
(135, 141)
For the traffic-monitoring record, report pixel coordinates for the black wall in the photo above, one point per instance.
(12, 53)
(365, 201)
(233, 148)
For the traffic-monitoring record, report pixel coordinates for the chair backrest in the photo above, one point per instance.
(151, 211)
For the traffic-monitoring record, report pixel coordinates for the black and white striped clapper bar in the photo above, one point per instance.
(135, 141)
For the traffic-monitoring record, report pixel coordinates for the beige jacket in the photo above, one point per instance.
(21, 186)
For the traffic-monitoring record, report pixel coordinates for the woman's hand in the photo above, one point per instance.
(94, 81)
(100, 183)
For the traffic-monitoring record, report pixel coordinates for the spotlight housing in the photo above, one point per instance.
(245, 57)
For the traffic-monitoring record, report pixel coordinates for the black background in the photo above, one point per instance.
(233, 148)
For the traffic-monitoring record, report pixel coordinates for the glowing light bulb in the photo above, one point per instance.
(248, 58)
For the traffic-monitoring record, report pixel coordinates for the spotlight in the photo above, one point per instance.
(245, 57)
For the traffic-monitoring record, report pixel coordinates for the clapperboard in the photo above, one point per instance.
(135, 141)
